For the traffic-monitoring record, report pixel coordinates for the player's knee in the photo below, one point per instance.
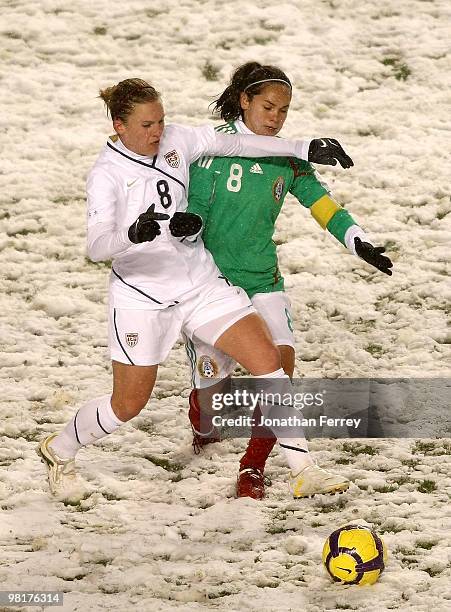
(127, 408)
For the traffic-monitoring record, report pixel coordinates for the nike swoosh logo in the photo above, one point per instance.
(130, 183)
(344, 569)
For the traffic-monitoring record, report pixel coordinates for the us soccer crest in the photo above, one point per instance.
(207, 367)
(173, 159)
(277, 188)
(131, 339)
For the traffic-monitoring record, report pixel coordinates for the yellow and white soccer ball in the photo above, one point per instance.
(354, 554)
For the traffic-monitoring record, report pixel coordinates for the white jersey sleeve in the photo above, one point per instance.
(251, 145)
(204, 140)
(104, 240)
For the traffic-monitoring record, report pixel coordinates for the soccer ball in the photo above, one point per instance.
(354, 554)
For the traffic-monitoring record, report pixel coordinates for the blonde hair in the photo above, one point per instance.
(121, 99)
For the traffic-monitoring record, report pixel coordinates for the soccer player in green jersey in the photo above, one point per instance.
(239, 200)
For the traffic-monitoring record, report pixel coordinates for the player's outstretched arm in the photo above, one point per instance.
(326, 151)
(337, 220)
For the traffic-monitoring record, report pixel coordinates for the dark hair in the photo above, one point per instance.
(246, 79)
(122, 98)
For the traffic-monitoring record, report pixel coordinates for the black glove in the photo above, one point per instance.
(146, 228)
(327, 151)
(185, 224)
(373, 256)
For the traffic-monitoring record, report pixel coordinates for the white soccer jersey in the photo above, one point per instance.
(123, 184)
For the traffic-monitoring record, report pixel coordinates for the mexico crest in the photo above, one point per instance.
(173, 158)
(131, 339)
(277, 188)
(207, 367)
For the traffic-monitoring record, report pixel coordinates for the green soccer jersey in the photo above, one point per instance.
(239, 200)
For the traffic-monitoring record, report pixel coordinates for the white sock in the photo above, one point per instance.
(94, 420)
(296, 453)
(295, 449)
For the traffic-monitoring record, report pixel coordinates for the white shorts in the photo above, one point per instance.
(208, 363)
(145, 337)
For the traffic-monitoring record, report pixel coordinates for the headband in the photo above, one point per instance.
(266, 81)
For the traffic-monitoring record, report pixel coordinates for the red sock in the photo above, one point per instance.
(200, 421)
(260, 445)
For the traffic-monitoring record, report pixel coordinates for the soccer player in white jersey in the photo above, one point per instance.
(163, 281)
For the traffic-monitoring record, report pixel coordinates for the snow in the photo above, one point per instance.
(170, 535)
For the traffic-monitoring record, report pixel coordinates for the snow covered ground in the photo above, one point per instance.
(162, 529)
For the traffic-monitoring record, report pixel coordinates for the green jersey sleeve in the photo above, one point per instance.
(306, 185)
(313, 194)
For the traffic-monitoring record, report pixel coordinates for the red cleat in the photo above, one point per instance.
(251, 480)
(250, 483)
(203, 431)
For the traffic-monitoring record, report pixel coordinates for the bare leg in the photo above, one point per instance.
(132, 386)
(249, 342)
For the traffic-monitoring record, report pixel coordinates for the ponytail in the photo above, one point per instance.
(121, 99)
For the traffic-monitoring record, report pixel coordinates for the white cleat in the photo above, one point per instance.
(65, 484)
(314, 480)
